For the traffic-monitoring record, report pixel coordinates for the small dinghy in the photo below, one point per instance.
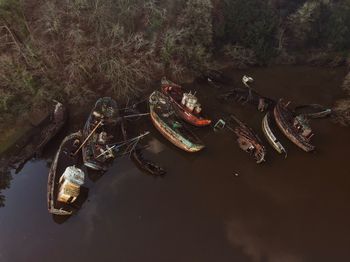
(165, 120)
(99, 133)
(65, 178)
(185, 104)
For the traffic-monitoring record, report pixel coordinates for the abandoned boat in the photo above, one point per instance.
(146, 165)
(296, 129)
(65, 178)
(165, 120)
(249, 142)
(99, 133)
(313, 111)
(185, 104)
(245, 95)
(33, 143)
(216, 78)
(269, 130)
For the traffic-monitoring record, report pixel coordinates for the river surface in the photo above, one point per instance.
(285, 210)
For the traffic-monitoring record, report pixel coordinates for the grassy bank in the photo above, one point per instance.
(78, 50)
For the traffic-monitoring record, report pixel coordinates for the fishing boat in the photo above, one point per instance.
(269, 130)
(65, 178)
(185, 104)
(248, 141)
(296, 129)
(313, 111)
(165, 120)
(99, 133)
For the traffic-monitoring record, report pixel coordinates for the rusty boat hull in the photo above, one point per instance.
(283, 117)
(175, 98)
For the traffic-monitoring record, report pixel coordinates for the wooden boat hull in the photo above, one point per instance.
(42, 134)
(270, 136)
(63, 158)
(88, 158)
(262, 103)
(287, 128)
(180, 110)
(187, 142)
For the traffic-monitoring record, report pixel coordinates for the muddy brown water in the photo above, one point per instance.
(294, 209)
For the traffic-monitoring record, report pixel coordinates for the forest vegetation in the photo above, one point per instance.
(77, 50)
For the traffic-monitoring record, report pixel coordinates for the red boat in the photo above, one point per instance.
(185, 104)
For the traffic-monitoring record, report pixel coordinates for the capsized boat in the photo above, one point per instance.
(296, 129)
(249, 142)
(313, 111)
(99, 133)
(185, 104)
(268, 127)
(165, 120)
(65, 178)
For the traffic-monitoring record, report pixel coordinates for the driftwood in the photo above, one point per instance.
(249, 141)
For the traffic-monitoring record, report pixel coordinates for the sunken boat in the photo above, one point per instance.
(246, 95)
(99, 134)
(269, 130)
(42, 132)
(249, 142)
(165, 120)
(145, 165)
(65, 178)
(186, 104)
(313, 111)
(295, 128)
(136, 155)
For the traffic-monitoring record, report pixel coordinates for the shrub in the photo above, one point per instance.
(252, 24)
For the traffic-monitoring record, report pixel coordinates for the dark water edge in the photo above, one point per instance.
(284, 210)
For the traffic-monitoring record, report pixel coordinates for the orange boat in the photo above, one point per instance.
(185, 104)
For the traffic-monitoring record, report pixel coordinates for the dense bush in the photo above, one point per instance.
(80, 49)
(253, 24)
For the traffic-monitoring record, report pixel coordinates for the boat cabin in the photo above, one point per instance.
(190, 101)
(302, 125)
(69, 184)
